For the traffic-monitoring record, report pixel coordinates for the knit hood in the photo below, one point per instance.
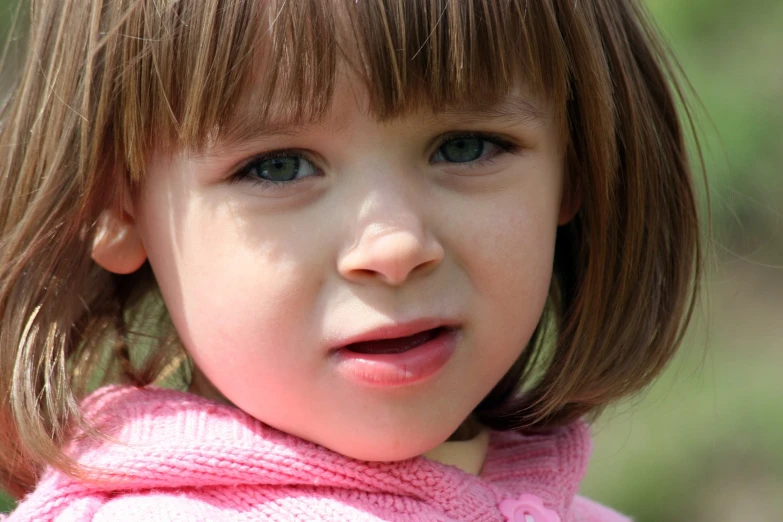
(160, 439)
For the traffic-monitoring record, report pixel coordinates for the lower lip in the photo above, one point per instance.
(399, 369)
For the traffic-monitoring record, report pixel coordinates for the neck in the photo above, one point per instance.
(467, 455)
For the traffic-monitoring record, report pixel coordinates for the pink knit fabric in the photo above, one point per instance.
(176, 456)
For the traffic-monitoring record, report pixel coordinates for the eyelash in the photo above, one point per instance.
(505, 145)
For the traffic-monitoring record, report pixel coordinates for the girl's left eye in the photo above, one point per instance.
(470, 148)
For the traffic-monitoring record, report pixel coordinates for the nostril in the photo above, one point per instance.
(390, 255)
(364, 273)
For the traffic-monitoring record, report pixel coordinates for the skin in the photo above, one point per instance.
(261, 283)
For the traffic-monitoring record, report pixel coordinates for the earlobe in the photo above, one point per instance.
(117, 245)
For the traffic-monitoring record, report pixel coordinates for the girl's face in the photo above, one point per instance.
(275, 251)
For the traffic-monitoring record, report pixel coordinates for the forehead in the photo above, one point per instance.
(516, 107)
(281, 61)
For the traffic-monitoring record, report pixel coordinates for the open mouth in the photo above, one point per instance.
(397, 344)
(397, 356)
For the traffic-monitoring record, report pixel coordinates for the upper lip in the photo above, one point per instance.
(394, 330)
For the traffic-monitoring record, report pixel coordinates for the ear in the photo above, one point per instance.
(117, 246)
(570, 202)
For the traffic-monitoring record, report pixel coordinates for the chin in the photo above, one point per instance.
(376, 454)
(388, 449)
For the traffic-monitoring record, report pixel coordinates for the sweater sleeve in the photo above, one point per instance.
(585, 510)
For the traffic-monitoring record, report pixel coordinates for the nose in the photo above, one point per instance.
(391, 245)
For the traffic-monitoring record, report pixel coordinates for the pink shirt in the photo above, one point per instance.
(176, 456)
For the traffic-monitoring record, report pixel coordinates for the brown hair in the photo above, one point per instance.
(102, 81)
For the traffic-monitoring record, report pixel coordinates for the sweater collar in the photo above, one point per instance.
(156, 438)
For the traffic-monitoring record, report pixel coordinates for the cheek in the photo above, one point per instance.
(509, 246)
(239, 288)
(242, 307)
(227, 279)
(509, 256)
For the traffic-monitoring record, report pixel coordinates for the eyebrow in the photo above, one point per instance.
(510, 110)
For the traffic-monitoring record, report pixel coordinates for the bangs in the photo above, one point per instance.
(194, 69)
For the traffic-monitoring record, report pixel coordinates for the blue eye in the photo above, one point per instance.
(461, 150)
(470, 148)
(279, 167)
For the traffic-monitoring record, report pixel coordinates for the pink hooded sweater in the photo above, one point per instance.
(176, 456)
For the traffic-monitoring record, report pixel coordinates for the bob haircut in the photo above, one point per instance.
(102, 82)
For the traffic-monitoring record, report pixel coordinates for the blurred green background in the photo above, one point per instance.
(705, 444)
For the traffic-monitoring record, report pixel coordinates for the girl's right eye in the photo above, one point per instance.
(277, 168)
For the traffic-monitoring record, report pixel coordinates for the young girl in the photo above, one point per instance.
(403, 246)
